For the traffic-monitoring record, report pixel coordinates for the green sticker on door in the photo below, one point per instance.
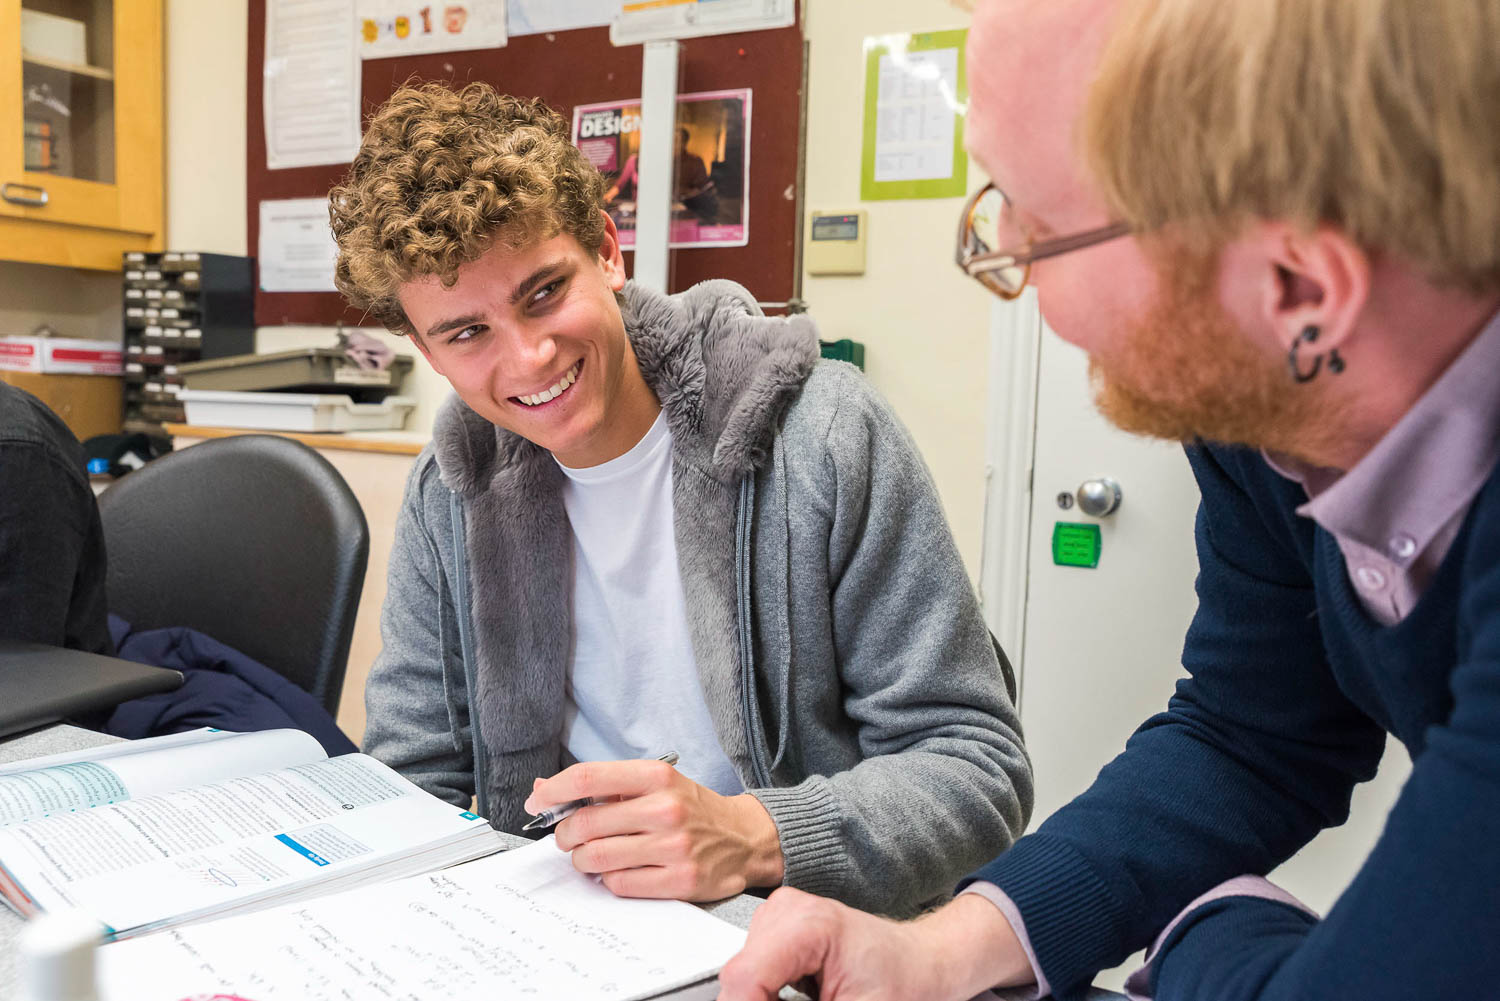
(1076, 545)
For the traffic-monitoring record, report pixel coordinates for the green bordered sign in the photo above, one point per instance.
(1076, 545)
(915, 97)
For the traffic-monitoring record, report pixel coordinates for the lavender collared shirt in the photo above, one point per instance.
(1397, 512)
(1395, 516)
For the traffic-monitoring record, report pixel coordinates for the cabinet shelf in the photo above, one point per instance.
(77, 69)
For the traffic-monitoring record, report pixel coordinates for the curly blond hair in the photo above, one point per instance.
(441, 176)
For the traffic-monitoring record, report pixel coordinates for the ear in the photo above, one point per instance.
(610, 257)
(1317, 279)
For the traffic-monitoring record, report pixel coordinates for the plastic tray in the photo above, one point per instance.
(293, 411)
(308, 368)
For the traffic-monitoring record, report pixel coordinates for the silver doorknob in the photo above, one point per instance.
(1099, 497)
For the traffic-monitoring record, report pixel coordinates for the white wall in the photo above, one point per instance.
(207, 48)
(924, 324)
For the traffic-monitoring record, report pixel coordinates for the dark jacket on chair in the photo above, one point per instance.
(222, 688)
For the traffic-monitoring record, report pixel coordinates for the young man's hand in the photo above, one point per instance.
(656, 833)
(951, 954)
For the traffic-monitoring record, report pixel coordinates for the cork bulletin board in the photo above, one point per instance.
(566, 69)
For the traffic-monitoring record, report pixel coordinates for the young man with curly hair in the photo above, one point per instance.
(651, 523)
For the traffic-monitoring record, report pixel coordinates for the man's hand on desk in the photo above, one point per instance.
(657, 833)
(952, 954)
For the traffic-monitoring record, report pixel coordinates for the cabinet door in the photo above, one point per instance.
(81, 96)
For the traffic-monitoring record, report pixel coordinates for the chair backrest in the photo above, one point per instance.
(256, 541)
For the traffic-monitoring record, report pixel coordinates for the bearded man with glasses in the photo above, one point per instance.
(1275, 229)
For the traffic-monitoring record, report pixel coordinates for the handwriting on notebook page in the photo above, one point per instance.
(520, 924)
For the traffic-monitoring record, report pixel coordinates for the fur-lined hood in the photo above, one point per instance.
(723, 371)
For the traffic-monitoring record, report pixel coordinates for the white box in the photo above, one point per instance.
(47, 36)
(20, 354)
(69, 355)
(82, 357)
(293, 411)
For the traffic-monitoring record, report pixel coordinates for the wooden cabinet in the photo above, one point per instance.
(81, 108)
(87, 404)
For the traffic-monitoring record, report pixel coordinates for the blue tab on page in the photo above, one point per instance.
(312, 856)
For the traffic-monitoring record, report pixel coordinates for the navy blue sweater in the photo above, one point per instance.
(1291, 692)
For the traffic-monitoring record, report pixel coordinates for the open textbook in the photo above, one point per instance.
(155, 833)
(522, 924)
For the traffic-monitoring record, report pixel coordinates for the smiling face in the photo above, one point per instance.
(532, 340)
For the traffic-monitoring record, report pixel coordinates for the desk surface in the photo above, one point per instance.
(55, 739)
(388, 442)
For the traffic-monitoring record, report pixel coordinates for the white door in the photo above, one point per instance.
(1098, 650)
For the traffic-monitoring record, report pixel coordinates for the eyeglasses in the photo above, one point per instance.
(996, 250)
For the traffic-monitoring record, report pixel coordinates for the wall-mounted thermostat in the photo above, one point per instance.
(835, 243)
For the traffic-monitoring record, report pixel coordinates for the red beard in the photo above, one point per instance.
(1186, 371)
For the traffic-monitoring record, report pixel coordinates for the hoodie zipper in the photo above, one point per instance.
(461, 600)
(749, 707)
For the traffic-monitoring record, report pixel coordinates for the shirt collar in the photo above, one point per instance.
(1424, 471)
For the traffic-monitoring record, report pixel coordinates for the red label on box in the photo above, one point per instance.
(104, 357)
(17, 350)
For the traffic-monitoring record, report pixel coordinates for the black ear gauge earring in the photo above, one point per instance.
(1309, 335)
(1335, 363)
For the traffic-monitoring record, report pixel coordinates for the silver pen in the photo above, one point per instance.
(558, 814)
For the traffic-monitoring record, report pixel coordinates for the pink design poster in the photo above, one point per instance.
(711, 145)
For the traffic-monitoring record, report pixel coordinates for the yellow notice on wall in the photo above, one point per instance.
(915, 98)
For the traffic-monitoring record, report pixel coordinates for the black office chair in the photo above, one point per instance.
(256, 541)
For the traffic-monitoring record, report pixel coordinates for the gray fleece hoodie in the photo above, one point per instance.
(843, 658)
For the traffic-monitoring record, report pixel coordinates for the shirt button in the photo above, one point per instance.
(1402, 546)
(1370, 579)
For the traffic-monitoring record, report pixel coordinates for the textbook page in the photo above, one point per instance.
(51, 787)
(523, 923)
(115, 749)
(207, 848)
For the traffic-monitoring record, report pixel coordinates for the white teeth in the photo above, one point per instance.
(553, 392)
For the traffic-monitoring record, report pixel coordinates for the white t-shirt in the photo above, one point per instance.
(633, 688)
